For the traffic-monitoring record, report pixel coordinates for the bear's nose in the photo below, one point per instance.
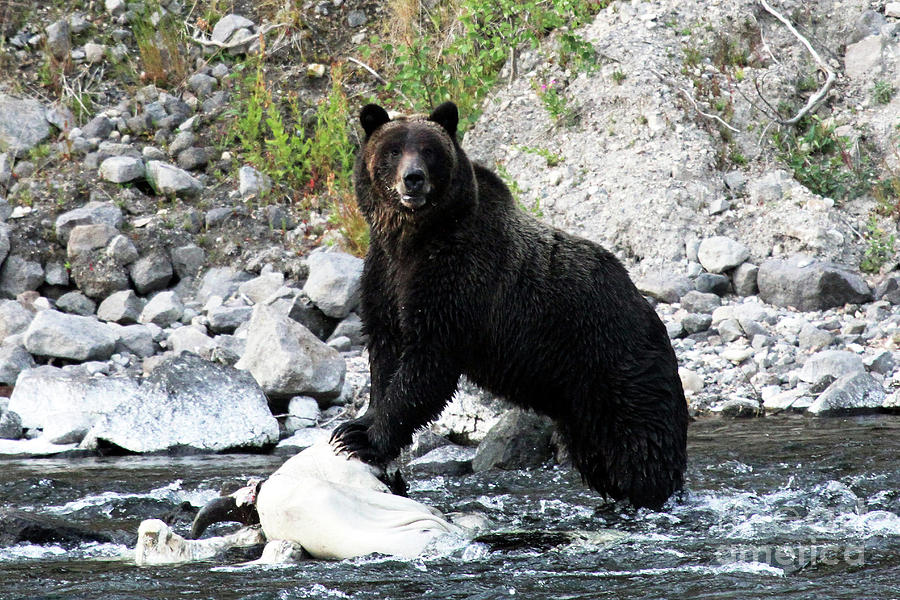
(414, 180)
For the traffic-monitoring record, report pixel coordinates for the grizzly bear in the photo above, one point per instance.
(458, 280)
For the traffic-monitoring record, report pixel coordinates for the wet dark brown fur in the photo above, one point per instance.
(459, 281)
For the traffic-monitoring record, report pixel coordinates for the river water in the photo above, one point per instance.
(774, 508)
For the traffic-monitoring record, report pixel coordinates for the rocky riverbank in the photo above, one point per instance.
(159, 296)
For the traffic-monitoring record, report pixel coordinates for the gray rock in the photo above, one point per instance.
(121, 169)
(23, 124)
(741, 408)
(13, 360)
(85, 238)
(288, 360)
(190, 402)
(191, 339)
(352, 328)
(169, 180)
(730, 330)
(220, 70)
(333, 283)
(882, 363)
(699, 302)
(303, 411)
(5, 170)
(694, 323)
(136, 339)
(163, 309)
(863, 60)
(445, 460)
(76, 303)
(301, 440)
(202, 85)
(228, 349)
(182, 141)
(834, 363)
(471, 413)
(340, 343)
(151, 272)
(889, 290)
(220, 281)
(674, 330)
(19, 275)
(27, 527)
(10, 424)
(807, 284)
(278, 218)
(854, 392)
(4, 241)
(94, 53)
(260, 288)
(89, 214)
(736, 181)
(59, 40)
(813, 338)
(121, 250)
(193, 158)
(55, 273)
(743, 278)
(225, 319)
(307, 314)
(712, 283)
(356, 18)
(664, 287)
(217, 216)
(423, 442)
(60, 335)
(24, 169)
(719, 254)
(519, 440)
(121, 307)
(98, 127)
(252, 183)
(228, 25)
(188, 260)
(98, 276)
(115, 7)
(14, 318)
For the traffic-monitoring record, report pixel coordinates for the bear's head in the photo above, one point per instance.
(412, 166)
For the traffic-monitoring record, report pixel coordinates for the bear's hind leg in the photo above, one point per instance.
(631, 452)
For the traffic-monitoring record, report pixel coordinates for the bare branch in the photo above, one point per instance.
(830, 76)
(694, 102)
(203, 41)
(381, 79)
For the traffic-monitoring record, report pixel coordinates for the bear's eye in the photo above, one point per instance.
(394, 151)
(427, 153)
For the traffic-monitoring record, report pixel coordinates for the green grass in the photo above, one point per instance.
(822, 161)
(883, 92)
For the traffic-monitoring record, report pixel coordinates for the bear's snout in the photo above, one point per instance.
(414, 180)
(413, 185)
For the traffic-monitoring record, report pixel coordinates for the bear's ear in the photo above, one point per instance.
(447, 116)
(372, 117)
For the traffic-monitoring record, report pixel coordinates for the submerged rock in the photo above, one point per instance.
(19, 526)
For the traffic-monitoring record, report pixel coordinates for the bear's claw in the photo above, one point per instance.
(352, 438)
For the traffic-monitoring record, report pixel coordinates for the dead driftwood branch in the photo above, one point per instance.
(816, 98)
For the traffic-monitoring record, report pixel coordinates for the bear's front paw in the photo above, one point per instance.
(352, 438)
